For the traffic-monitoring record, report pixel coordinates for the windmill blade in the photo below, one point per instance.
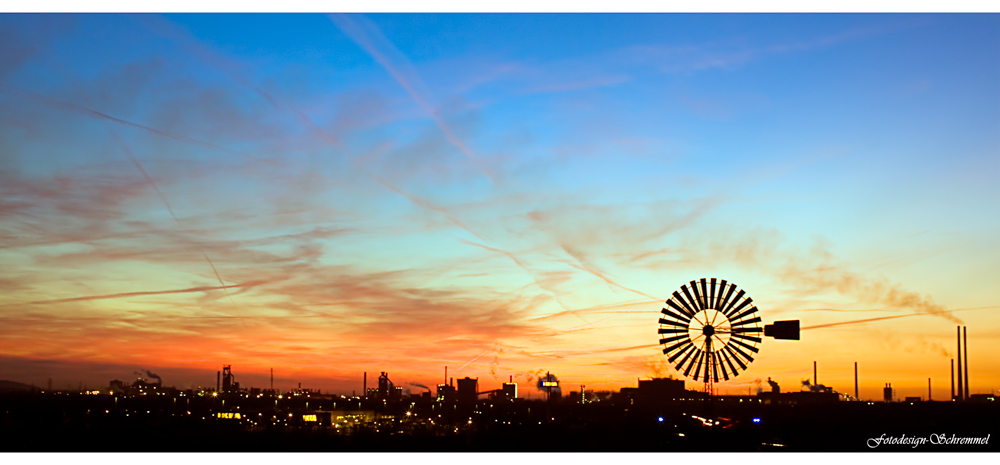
(728, 289)
(686, 349)
(674, 315)
(664, 321)
(744, 345)
(687, 294)
(738, 361)
(739, 307)
(697, 295)
(746, 330)
(749, 311)
(671, 330)
(687, 308)
(736, 299)
(701, 357)
(672, 339)
(744, 355)
(748, 338)
(731, 367)
(704, 293)
(746, 322)
(680, 364)
(711, 298)
(697, 354)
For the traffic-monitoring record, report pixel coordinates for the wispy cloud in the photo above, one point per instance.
(371, 40)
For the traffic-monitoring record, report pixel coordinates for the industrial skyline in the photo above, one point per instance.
(506, 195)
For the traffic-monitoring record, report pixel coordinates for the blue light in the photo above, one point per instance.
(756, 420)
(660, 419)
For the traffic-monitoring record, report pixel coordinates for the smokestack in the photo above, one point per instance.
(958, 329)
(272, 379)
(218, 377)
(815, 381)
(453, 382)
(446, 374)
(952, 379)
(965, 350)
(511, 378)
(928, 389)
(364, 386)
(856, 381)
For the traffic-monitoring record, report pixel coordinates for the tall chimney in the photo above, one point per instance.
(856, 381)
(928, 389)
(364, 386)
(952, 379)
(218, 377)
(272, 379)
(446, 374)
(815, 381)
(511, 378)
(965, 350)
(961, 396)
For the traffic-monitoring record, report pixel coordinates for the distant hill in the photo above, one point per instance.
(8, 386)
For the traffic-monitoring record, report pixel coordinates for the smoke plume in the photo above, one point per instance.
(548, 379)
(154, 375)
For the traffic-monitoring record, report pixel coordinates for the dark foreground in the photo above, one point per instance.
(33, 422)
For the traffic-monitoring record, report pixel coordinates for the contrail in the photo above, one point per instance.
(367, 41)
(167, 29)
(135, 161)
(134, 294)
(578, 352)
(869, 320)
(96, 114)
(145, 175)
(583, 267)
(473, 360)
(588, 324)
(423, 203)
(595, 309)
(523, 267)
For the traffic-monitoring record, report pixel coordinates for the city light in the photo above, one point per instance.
(756, 420)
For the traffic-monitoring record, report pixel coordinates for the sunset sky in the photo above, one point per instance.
(502, 194)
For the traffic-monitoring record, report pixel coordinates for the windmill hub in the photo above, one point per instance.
(708, 330)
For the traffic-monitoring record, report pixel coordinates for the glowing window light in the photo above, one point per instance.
(309, 418)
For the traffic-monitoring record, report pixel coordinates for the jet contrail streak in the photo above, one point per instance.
(523, 267)
(588, 324)
(134, 294)
(135, 161)
(473, 360)
(869, 320)
(145, 175)
(50, 102)
(425, 204)
(364, 39)
(609, 281)
(167, 29)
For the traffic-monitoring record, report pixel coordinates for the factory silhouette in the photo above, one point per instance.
(655, 415)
